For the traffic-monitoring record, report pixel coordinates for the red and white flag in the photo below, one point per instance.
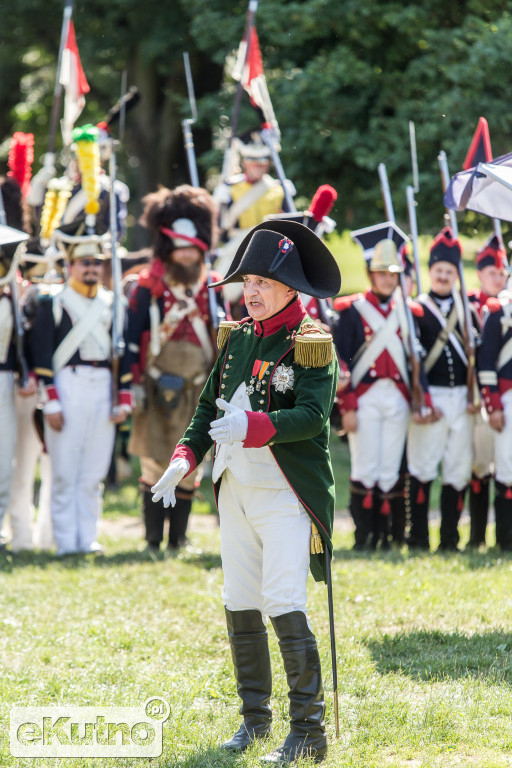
(75, 84)
(249, 69)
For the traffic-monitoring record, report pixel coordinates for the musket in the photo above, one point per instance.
(188, 122)
(411, 204)
(118, 342)
(417, 394)
(57, 92)
(18, 322)
(269, 138)
(217, 313)
(249, 23)
(469, 336)
(413, 224)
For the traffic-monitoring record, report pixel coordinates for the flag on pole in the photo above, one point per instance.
(72, 78)
(480, 148)
(249, 69)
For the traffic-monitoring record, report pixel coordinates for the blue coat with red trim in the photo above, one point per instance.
(495, 379)
(290, 411)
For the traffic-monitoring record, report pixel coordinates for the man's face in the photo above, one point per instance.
(383, 283)
(254, 170)
(492, 280)
(443, 275)
(87, 270)
(186, 256)
(265, 297)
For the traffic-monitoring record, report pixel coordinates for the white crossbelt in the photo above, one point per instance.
(87, 326)
(184, 306)
(385, 338)
(6, 326)
(457, 313)
(243, 203)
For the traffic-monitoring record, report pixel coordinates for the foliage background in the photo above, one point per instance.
(345, 78)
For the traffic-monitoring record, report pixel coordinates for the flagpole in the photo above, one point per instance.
(57, 92)
(251, 11)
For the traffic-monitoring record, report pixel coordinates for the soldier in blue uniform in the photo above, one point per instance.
(448, 439)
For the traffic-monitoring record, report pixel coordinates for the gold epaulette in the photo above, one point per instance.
(316, 546)
(313, 349)
(225, 328)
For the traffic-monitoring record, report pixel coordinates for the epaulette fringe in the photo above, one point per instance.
(225, 328)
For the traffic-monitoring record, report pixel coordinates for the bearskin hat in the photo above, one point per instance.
(182, 216)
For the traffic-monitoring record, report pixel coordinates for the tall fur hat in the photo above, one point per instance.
(179, 217)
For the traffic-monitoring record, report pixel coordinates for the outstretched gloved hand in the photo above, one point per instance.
(231, 428)
(164, 488)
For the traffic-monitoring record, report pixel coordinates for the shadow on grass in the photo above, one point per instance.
(207, 757)
(432, 655)
(10, 561)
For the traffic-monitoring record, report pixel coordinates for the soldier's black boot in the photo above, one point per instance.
(251, 660)
(397, 502)
(503, 513)
(361, 509)
(178, 519)
(478, 510)
(381, 520)
(419, 496)
(451, 504)
(154, 516)
(307, 737)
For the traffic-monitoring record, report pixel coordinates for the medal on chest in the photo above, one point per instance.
(259, 370)
(283, 378)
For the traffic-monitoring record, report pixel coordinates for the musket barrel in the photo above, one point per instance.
(411, 208)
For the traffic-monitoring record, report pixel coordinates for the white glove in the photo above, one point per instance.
(164, 488)
(231, 428)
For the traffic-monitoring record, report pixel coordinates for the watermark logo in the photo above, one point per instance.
(89, 731)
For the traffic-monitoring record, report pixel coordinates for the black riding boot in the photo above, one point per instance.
(154, 517)
(361, 509)
(298, 647)
(251, 660)
(503, 513)
(178, 520)
(419, 495)
(478, 510)
(451, 504)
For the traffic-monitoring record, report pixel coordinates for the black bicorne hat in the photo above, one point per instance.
(290, 253)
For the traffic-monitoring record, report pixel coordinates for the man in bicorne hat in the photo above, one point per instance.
(171, 344)
(492, 271)
(448, 439)
(72, 352)
(266, 408)
(372, 339)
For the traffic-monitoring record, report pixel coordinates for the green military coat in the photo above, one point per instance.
(298, 400)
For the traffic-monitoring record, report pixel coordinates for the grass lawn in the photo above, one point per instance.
(424, 649)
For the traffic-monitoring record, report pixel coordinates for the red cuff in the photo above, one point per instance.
(184, 452)
(492, 400)
(259, 430)
(125, 398)
(347, 401)
(51, 392)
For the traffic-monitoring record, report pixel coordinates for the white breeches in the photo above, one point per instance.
(448, 441)
(265, 538)
(7, 438)
(483, 445)
(80, 456)
(377, 446)
(28, 450)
